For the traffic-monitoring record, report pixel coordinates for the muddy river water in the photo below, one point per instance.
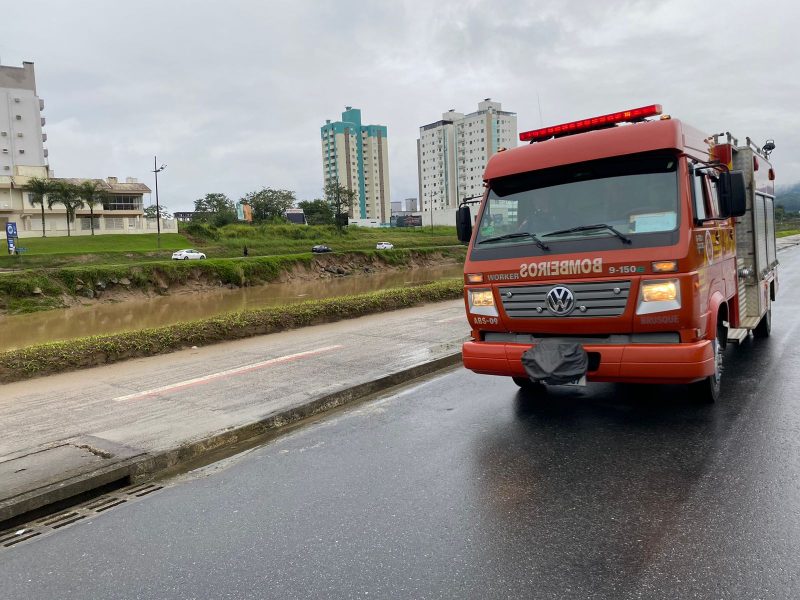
(19, 331)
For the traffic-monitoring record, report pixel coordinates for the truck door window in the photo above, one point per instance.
(713, 196)
(699, 195)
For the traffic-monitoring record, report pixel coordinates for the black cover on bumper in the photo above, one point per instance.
(555, 361)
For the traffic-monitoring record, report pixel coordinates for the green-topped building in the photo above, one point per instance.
(357, 156)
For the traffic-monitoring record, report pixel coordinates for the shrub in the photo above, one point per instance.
(92, 351)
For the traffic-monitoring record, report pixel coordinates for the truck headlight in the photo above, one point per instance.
(656, 291)
(481, 302)
(659, 295)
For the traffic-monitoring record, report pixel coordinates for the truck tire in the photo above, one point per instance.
(707, 391)
(532, 388)
(764, 326)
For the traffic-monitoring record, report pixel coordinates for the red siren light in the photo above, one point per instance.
(601, 122)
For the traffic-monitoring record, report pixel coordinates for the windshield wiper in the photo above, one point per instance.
(594, 227)
(517, 234)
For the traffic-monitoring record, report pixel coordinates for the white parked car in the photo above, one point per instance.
(384, 246)
(188, 255)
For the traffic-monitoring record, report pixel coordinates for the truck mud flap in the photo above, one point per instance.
(555, 362)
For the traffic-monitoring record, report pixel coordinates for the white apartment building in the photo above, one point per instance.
(357, 156)
(21, 121)
(452, 153)
(23, 157)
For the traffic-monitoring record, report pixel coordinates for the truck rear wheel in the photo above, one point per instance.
(707, 390)
(764, 326)
(533, 388)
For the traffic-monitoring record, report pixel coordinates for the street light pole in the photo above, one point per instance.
(156, 171)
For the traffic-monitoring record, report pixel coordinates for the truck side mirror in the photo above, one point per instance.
(464, 224)
(732, 194)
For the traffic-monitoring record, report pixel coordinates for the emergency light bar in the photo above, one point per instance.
(626, 116)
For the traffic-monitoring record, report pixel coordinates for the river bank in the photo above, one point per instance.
(44, 289)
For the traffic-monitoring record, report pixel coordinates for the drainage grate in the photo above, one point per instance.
(51, 523)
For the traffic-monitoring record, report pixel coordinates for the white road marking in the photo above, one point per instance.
(223, 374)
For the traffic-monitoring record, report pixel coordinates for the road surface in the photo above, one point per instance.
(462, 487)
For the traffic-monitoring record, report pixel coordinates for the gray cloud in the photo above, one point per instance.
(231, 95)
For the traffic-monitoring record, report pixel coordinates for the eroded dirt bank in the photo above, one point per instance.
(80, 286)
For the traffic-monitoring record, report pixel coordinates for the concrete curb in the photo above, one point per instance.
(149, 465)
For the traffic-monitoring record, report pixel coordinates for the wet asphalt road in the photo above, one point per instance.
(462, 487)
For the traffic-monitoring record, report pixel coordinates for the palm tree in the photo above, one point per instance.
(38, 189)
(91, 193)
(67, 194)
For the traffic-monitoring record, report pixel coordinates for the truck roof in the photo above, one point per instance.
(603, 143)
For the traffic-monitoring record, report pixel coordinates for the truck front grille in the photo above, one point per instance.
(591, 299)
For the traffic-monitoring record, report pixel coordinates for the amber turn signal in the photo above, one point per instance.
(665, 266)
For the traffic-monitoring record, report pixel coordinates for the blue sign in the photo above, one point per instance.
(11, 246)
(11, 230)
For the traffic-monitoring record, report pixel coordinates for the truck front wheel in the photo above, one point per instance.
(707, 390)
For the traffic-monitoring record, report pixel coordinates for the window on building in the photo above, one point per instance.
(123, 202)
(86, 223)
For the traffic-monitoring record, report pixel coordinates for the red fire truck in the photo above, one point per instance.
(623, 248)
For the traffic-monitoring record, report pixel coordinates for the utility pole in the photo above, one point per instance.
(156, 171)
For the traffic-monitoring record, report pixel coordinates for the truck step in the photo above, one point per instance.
(737, 335)
(750, 322)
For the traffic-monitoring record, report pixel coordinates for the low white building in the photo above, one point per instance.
(122, 210)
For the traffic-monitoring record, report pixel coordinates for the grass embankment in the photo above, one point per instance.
(225, 242)
(43, 289)
(57, 357)
(291, 239)
(99, 249)
(787, 233)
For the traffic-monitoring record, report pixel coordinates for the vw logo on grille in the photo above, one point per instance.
(560, 300)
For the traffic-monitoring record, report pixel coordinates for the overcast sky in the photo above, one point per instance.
(231, 95)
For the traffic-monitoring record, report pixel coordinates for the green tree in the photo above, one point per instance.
(216, 209)
(317, 212)
(268, 204)
(150, 212)
(38, 189)
(91, 192)
(67, 194)
(340, 199)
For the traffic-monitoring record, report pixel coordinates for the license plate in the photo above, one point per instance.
(578, 382)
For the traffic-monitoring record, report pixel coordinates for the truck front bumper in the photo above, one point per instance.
(629, 363)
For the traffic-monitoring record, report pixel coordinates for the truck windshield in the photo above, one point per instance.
(624, 198)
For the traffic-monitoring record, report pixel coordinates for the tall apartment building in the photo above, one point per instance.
(452, 153)
(21, 121)
(357, 156)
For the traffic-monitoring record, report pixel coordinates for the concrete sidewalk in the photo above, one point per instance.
(787, 242)
(69, 433)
